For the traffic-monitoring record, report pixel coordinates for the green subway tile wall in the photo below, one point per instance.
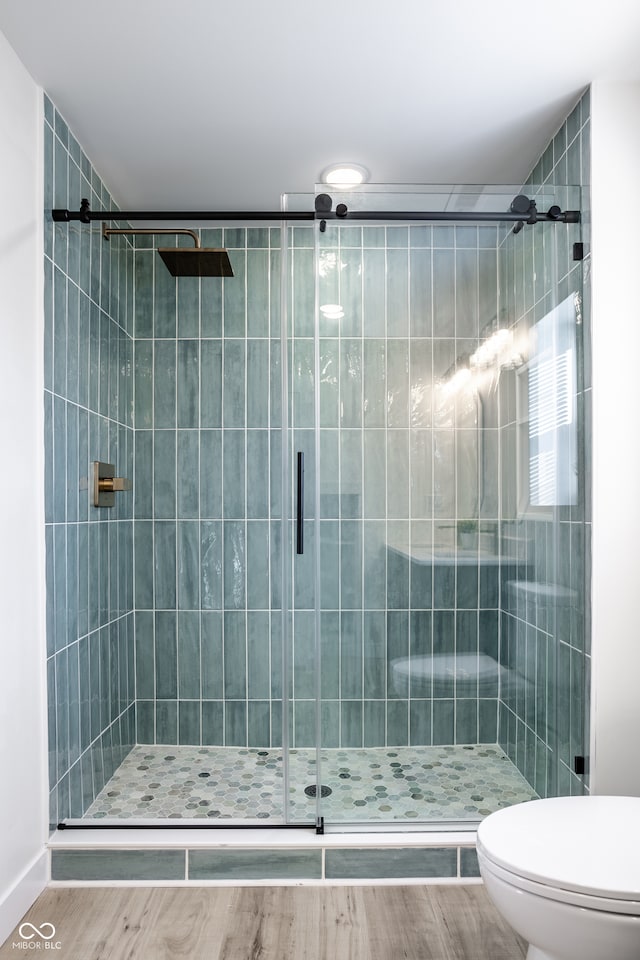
(207, 497)
(545, 608)
(88, 400)
(400, 468)
(208, 500)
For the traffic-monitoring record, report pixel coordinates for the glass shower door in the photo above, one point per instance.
(424, 672)
(386, 476)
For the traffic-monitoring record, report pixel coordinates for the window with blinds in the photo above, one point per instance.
(547, 429)
(553, 479)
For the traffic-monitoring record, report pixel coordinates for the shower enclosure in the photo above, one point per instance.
(352, 562)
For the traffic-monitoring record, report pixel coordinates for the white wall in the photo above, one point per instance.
(23, 813)
(615, 750)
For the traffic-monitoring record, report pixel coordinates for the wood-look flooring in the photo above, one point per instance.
(271, 923)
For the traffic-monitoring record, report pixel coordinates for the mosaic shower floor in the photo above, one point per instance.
(376, 783)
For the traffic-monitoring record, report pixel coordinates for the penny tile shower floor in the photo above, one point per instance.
(377, 783)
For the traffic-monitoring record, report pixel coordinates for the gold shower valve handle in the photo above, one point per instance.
(106, 485)
(113, 484)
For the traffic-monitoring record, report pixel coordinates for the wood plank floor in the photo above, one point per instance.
(271, 923)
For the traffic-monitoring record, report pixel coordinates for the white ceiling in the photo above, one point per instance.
(200, 104)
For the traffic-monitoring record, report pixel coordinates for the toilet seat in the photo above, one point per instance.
(571, 897)
(591, 849)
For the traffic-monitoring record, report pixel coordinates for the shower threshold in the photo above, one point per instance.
(372, 784)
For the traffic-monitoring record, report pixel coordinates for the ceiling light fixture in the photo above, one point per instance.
(344, 175)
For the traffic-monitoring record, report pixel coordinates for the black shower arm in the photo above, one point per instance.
(532, 215)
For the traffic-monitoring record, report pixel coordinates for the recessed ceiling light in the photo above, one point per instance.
(345, 175)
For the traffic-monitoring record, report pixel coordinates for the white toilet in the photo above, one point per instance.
(565, 874)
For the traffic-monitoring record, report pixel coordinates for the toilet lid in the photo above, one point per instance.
(585, 844)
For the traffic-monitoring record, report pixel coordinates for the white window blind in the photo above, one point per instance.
(552, 423)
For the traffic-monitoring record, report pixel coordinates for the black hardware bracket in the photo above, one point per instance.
(581, 765)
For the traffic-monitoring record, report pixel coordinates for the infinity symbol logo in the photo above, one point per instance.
(40, 931)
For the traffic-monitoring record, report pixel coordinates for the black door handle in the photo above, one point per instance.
(300, 505)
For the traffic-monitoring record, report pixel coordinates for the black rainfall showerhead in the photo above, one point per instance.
(196, 261)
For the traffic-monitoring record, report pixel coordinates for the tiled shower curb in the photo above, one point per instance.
(236, 857)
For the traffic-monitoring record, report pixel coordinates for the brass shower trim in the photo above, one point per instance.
(144, 231)
(106, 484)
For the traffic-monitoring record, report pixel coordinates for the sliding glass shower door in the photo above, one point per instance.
(224, 607)
(421, 542)
(401, 305)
